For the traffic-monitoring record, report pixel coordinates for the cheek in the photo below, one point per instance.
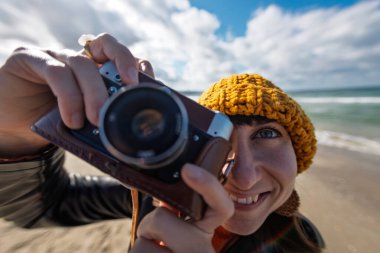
(283, 172)
(284, 168)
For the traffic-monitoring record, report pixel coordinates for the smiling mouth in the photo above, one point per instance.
(248, 200)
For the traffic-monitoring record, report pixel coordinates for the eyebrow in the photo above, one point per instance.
(263, 121)
(249, 120)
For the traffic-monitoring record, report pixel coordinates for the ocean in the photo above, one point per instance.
(348, 118)
(345, 118)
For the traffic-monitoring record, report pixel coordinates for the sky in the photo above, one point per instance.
(193, 43)
(233, 15)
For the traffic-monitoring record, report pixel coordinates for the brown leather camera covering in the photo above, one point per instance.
(212, 158)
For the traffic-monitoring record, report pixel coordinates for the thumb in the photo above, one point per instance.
(220, 206)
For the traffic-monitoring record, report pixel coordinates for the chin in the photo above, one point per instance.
(243, 227)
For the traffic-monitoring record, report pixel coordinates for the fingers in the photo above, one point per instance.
(69, 97)
(37, 67)
(105, 47)
(163, 225)
(75, 80)
(90, 83)
(220, 206)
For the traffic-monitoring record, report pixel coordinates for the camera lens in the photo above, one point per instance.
(145, 126)
(148, 124)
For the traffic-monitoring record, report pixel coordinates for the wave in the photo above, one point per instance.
(338, 100)
(353, 143)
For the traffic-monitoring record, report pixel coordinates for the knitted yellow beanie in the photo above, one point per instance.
(251, 94)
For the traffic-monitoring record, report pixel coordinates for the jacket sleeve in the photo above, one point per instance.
(40, 192)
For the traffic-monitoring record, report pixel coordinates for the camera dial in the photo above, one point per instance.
(145, 126)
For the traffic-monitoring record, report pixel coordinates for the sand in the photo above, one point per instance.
(340, 194)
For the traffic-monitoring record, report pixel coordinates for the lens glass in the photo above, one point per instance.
(148, 124)
(145, 126)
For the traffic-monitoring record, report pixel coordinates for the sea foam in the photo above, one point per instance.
(338, 100)
(349, 142)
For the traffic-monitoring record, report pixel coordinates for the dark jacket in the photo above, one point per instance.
(39, 192)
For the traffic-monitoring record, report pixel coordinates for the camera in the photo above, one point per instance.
(146, 134)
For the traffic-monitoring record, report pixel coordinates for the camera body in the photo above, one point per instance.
(146, 134)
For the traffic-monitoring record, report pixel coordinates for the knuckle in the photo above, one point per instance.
(56, 70)
(19, 54)
(77, 60)
(105, 37)
(54, 73)
(71, 98)
(158, 218)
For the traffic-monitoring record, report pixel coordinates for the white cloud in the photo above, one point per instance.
(320, 47)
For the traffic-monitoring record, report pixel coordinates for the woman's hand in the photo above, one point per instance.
(32, 81)
(163, 225)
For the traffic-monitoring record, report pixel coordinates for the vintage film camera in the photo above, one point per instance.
(146, 134)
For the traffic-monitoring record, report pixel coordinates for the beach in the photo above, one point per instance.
(340, 194)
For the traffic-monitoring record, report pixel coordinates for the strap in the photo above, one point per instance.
(135, 209)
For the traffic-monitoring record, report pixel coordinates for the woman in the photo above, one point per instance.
(255, 211)
(273, 141)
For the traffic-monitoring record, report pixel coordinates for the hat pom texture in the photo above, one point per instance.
(251, 94)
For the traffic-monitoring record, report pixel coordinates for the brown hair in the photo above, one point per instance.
(281, 235)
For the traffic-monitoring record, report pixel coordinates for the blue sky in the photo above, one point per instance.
(192, 43)
(234, 14)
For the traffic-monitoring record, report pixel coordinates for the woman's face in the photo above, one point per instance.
(264, 174)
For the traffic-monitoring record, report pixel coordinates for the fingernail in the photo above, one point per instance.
(132, 74)
(77, 120)
(147, 69)
(194, 172)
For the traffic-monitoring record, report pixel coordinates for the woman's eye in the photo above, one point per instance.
(267, 133)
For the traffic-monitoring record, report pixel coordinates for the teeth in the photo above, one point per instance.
(249, 200)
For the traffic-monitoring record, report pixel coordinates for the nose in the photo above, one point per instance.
(247, 170)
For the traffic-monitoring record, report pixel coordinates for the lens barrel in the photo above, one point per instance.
(145, 126)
